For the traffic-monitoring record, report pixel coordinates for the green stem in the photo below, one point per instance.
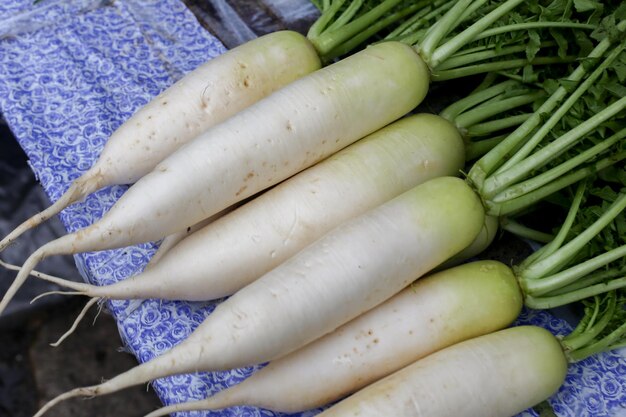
(496, 66)
(486, 53)
(442, 52)
(494, 184)
(591, 279)
(418, 19)
(547, 302)
(576, 341)
(499, 181)
(476, 149)
(548, 284)
(558, 240)
(487, 128)
(487, 164)
(354, 41)
(442, 28)
(525, 232)
(550, 175)
(514, 205)
(320, 24)
(561, 256)
(495, 107)
(453, 111)
(533, 25)
(609, 342)
(589, 317)
(325, 41)
(346, 16)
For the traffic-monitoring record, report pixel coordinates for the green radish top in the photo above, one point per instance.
(602, 327)
(574, 142)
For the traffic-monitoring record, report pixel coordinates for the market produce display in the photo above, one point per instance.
(550, 136)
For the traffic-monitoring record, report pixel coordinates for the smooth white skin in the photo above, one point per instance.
(268, 142)
(437, 311)
(233, 251)
(347, 272)
(210, 94)
(290, 130)
(213, 92)
(173, 240)
(496, 375)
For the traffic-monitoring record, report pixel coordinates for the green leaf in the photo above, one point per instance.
(587, 5)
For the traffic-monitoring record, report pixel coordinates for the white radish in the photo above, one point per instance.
(347, 272)
(210, 94)
(435, 312)
(174, 239)
(496, 375)
(485, 237)
(236, 249)
(282, 134)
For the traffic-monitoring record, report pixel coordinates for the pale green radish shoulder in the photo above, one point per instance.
(496, 375)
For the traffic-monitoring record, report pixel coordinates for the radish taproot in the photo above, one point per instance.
(236, 249)
(281, 135)
(213, 92)
(435, 312)
(264, 144)
(494, 375)
(348, 269)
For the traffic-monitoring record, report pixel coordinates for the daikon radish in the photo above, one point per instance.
(496, 375)
(435, 312)
(351, 269)
(282, 134)
(236, 249)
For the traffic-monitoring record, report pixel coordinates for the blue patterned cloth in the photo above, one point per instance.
(70, 73)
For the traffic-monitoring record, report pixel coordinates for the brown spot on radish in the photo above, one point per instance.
(164, 103)
(289, 126)
(246, 82)
(249, 175)
(188, 229)
(241, 190)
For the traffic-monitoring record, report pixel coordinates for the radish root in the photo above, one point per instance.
(82, 314)
(185, 406)
(61, 245)
(57, 292)
(92, 391)
(89, 182)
